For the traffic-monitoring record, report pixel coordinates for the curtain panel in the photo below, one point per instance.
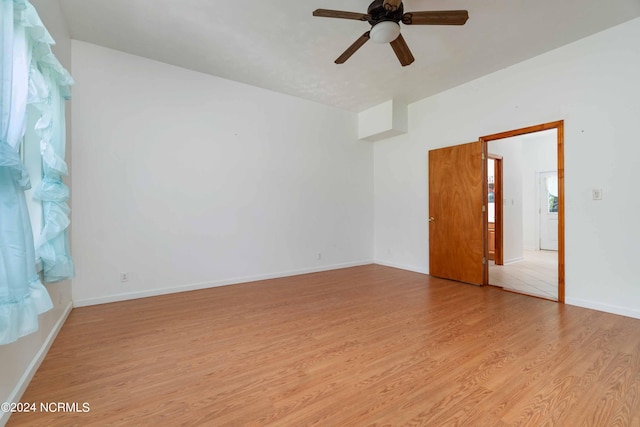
(32, 82)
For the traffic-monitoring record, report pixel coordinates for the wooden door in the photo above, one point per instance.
(457, 187)
(491, 238)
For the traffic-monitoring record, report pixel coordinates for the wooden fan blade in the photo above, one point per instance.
(439, 17)
(352, 49)
(402, 51)
(327, 13)
(392, 5)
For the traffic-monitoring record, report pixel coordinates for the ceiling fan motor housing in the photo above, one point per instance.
(378, 13)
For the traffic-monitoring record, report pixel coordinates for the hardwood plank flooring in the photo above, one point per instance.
(536, 274)
(368, 345)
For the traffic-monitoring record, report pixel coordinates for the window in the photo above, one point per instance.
(552, 193)
(33, 89)
(552, 207)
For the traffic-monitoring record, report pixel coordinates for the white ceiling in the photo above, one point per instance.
(279, 45)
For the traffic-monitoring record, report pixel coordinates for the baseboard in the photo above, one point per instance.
(403, 266)
(607, 308)
(28, 374)
(205, 285)
(513, 260)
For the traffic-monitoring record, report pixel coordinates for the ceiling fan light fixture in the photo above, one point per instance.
(384, 17)
(385, 32)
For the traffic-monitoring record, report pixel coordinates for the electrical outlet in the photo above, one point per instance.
(596, 194)
(124, 277)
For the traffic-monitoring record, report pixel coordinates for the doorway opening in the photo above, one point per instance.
(495, 227)
(526, 237)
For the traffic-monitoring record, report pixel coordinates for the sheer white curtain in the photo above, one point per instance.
(25, 63)
(552, 185)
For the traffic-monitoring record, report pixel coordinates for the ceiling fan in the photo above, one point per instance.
(384, 17)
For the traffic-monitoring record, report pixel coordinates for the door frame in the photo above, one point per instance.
(499, 222)
(559, 126)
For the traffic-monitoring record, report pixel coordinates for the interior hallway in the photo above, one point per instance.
(536, 274)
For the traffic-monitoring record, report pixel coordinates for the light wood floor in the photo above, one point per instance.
(536, 274)
(368, 345)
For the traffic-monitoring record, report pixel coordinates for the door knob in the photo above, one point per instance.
(431, 219)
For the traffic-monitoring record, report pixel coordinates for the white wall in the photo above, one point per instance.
(593, 85)
(184, 180)
(20, 360)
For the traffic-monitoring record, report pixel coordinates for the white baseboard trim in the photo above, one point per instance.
(28, 374)
(403, 266)
(513, 260)
(607, 308)
(205, 285)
